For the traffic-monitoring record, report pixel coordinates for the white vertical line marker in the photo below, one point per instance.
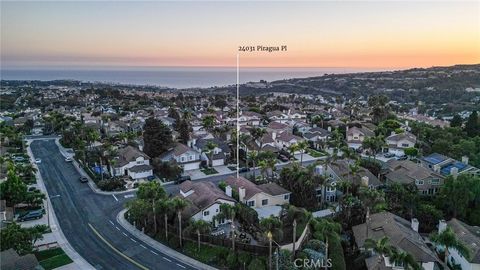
(238, 114)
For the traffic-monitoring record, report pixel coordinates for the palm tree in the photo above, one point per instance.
(263, 167)
(292, 149)
(404, 259)
(302, 146)
(208, 122)
(257, 134)
(448, 239)
(165, 207)
(200, 226)
(228, 211)
(271, 164)
(253, 156)
(209, 150)
(178, 204)
(380, 247)
(273, 225)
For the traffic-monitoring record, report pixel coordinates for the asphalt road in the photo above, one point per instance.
(88, 219)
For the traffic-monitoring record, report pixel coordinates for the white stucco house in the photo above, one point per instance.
(398, 142)
(186, 157)
(470, 237)
(204, 201)
(132, 162)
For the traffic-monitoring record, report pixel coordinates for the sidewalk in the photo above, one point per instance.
(78, 261)
(158, 246)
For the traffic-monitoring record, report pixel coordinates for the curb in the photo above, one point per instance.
(159, 246)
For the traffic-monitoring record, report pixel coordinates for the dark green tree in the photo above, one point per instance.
(472, 126)
(157, 137)
(456, 121)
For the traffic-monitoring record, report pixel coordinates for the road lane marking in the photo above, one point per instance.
(167, 259)
(124, 234)
(129, 196)
(153, 252)
(115, 197)
(180, 265)
(118, 229)
(143, 246)
(116, 250)
(111, 222)
(133, 240)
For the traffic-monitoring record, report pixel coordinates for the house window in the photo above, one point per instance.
(419, 182)
(182, 159)
(405, 145)
(206, 213)
(435, 181)
(286, 197)
(265, 202)
(190, 157)
(424, 192)
(251, 203)
(216, 210)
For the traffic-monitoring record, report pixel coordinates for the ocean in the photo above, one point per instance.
(174, 77)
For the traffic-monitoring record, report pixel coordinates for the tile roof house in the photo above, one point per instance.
(286, 139)
(269, 195)
(468, 235)
(398, 142)
(317, 136)
(132, 162)
(448, 166)
(401, 233)
(220, 153)
(204, 200)
(356, 135)
(407, 172)
(10, 260)
(185, 156)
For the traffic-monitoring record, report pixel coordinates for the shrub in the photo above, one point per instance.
(174, 243)
(315, 245)
(111, 184)
(244, 259)
(256, 264)
(232, 261)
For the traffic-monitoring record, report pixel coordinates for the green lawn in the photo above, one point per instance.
(209, 171)
(52, 258)
(315, 153)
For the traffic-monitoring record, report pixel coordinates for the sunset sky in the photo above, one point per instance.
(374, 34)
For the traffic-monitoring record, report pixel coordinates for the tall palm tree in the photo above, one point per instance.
(263, 167)
(448, 239)
(271, 164)
(178, 204)
(228, 211)
(381, 247)
(200, 226)
(302, 146)
(292, 149)
(253, 156)
(164, 207)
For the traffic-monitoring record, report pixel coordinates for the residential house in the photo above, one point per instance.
(402, 234)
(220, 153)
(132, 162)
(286, 139)
(341, 170)
(185, 157)
(266, 199)
(398, 142)
(448, 166)
(204, 200)
(469, 236)
(249, 118)
(317, 136)
(10, 260)
(407, 172)
(356, 135)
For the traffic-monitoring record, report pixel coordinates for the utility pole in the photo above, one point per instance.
(269, 235)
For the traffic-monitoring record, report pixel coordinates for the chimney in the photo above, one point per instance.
(241, 194)
(364, 181)
(465, 160)
(454, 172)
(228, 191)
(329, 129)
(415, 224)
(436, 168)
(274, 135)
(442, 225)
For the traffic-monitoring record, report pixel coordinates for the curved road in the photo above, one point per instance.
(88, 220)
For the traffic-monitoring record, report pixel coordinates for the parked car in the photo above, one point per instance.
(68, 159)
(283, 158)
(18, 159)
(36, 214)
(243, 170)
(388, 155)
(83, 179)
(404, 157)
(38, 161)
(182, 179)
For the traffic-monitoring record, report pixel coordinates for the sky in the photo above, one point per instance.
(359, 34)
